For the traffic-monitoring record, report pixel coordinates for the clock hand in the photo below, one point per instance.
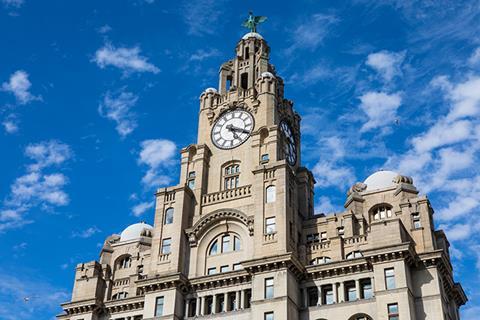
(232, 128)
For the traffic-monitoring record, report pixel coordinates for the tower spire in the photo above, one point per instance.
(253, 21)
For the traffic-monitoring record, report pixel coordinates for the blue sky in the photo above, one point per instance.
(98, 97)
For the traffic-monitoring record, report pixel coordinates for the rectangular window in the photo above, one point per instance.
(237, 266)
(159, 307)
(313, 237)
(209, 304)
(268, 288)
(393, 312)
(417, 224)
(328, 294)
(224, 268)
(166, 246)
(351, 291)
(312, 293)
(225, 243)
(264, 158)
(341, 231)
(268, 316)
(191, 180)
(232, 301)
(211, 271)
(389, 278)
(367, 291)
(270, 226)
(323, 236)
(236, 244)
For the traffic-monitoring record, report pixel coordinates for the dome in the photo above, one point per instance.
(252, 35)
(380, 180)
(211, 90)
(135, 231)
(267, 74)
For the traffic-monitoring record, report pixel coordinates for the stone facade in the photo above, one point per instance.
(238, 238)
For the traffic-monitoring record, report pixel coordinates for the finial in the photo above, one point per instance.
(252, 21)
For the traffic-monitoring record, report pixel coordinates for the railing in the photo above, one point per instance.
(164, 257)
(314, 246)
(355, 239)
(269, 174)
(170, 196)
(225, 195)
(269, 236)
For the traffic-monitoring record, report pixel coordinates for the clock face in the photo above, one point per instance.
(232, 129)
(289, 146)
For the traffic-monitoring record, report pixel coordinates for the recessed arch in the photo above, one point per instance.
(360, 316)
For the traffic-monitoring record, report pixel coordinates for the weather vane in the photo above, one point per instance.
(252, 21)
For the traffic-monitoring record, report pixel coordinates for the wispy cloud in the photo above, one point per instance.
(203, 16)
(141, 208)
(13, 3)
(19, 85)
(129, 60)
(202, 54)
(87, 233)
(157, 155)
(380, 108)
(387, 64)
(117, 107)
(39, 186)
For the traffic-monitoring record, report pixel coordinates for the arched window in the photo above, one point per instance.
(360, 316)
(270, 194)
(354, 254)
(320, 260)
(231, 176)
(169, 216)
(125, 262)
(226, 244)
(191, 180)
(382, 212)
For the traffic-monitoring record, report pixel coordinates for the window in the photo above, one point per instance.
(328, 294)
(270, 226)
(211, 271)
(270, 194)
(214, 248)
(125, 263)
(354, 254)
(237, 266)
(323, 236)
(268, 288)
(225, 243)
(268, 316)
(209, 304)
(244, 82)
(382, 212)
(366, 287)
(191, 180)
(313, 237)
(341, 231)
(236, 244)
(264, 158)
(417, 224)
(169, 216)
(120, 295)
(393, 311)
(390, 279)
(166, 246)
(351, 291)
(159, 307)
(231, 176)
(224, 268)
(312, 293)
(320, 260)
(232, 301)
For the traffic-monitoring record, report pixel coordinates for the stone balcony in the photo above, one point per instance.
(226, 195)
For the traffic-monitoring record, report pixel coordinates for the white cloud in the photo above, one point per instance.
(475, 57)
(460, 231)
(117, 107)
(203, 16)
(19, 86)
(201, 54)
(387, 64)
(311, 33)
(128, 60)
(37, 187)
(324, 205)
(13, 3)
(87, 233)
(443, 133)
(104, 29)
(381, 109)
(10, 126)
(329, 173)
(141, 208)
(157, 155)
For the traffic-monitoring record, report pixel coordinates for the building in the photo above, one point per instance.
(238, 238)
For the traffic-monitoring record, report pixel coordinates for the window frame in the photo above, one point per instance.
(393, 315)
(157, 299)
(269, 292)
(169, 213)
(270, 194)
(269, 315)
(167, 245)
(267, 225)
(391, 277)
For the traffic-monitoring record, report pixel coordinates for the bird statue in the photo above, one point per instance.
(252, 21)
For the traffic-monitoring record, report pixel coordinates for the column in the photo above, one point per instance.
(187, 307)
(357, 288)
(320, 296)
(335, 295)
(305, 297)
(242, 299)
(372, 281)
(201, 306)
(214, 304)
(341, 294)
(225, 302)
(237, 300)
